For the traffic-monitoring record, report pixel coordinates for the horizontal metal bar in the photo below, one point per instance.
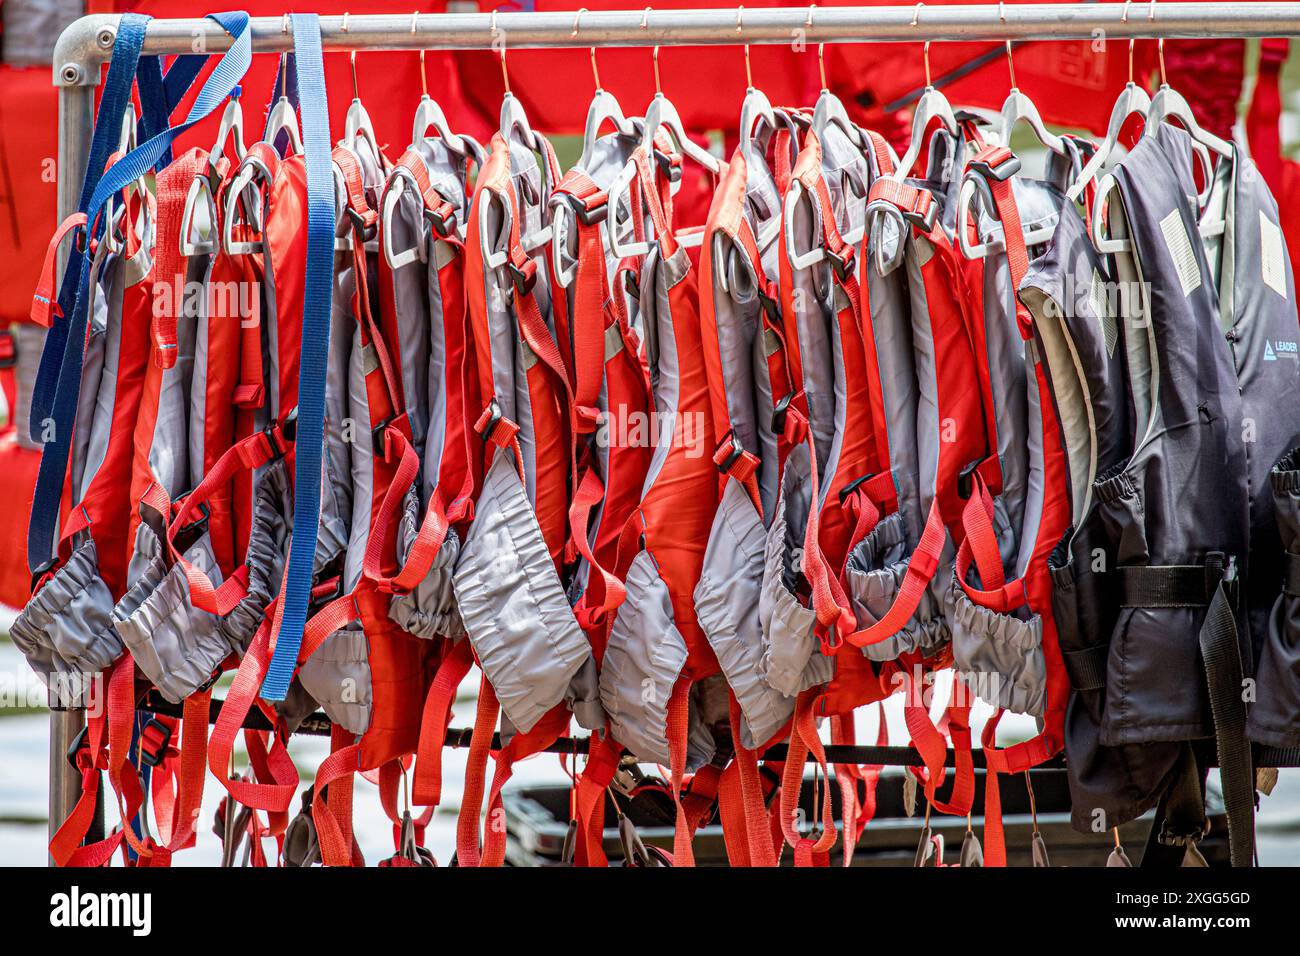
(88, 42)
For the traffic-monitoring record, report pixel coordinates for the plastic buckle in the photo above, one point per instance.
(40, 571)
(282, 434)
(854, 485)
(585, 214)
(8, 350)
(673, 171)
(1001, 165)
(189, 534)
(524, 277)
(771, 308)
(494, 418)
(841, 262)
(925, 220)
(966, 480)
(78, 744)
(155, 740)
(631, 284)
(442, 219)
(779, 413)
(367, 231)
(378, 439)
(737, 450)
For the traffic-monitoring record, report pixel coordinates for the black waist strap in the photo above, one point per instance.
(1087, 667)
(1171, 585)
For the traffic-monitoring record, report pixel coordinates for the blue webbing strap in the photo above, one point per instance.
(319, 283)
(160, 94)
(65, 385)
(113, 104)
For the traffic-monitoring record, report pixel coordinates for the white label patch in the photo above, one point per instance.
(1272, 261)
(1180, 250)
(1100, 303)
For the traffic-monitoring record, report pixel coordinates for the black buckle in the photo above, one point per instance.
(494, 418)
(779, 413)
(288, 434)
(771, 308)
(737, 449)
(367, 232)
(854, 485)
(377, 435)
(673, 171)
(523, 278)
(78, 744)
(443, 223)
(152, 758)
(190, 533)
(1004, 170)
(966, 479)
(631, 284)
(841, 262)
(587, 215)
(41, 570)
(8, 349)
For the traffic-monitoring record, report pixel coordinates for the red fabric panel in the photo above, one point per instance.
(28, 197)
(18, 467)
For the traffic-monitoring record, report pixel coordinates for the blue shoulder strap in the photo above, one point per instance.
(160, 94)
(113, 104)
(61, 371)
(319, 283)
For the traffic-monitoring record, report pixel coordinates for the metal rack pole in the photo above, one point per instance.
(88, 43)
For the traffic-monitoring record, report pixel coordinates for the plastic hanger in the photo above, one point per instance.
(513, 126)
(1018, 108)
(661, 113)
(112, 213)
(604, 109)
(1132, 101)
(754, 110)
(428, 114)
(932, 106)
(283, 118)
(357, 124)
(828, 108)
(231, 130)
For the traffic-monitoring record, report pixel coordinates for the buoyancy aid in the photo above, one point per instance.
(659, 680)
(1182, 509)
(534, 656)
(1005, 644)
(422, 285)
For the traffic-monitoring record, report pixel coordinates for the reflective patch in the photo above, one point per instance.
(1180, 250)
(1272, 256)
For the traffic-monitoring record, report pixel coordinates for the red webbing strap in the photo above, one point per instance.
(331, 806)
(731, 814)
(804, 740)
(909, 199)
(981, 545)
(921, 567)
(659, 203)
(590, 290)
(273, 791)
(45, 304)
(757, 832)
(597, 774)
(678, 729)
(547, 730)
(880, 148)
(828, 599)
(169, 266)
(247, 454)
(189, 768)
(1013, 233)
(468, 837)
(426, 788)
(995, 843)
(605, 592)
(432, 531)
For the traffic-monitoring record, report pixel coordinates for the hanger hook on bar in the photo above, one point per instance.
(740, 28)
(424, 78)
(1011, 63)
(1160, 45)
(595, 72)
(492, 29)
(1124, 19)
(821, 49)
(352, 58)
(925, 50)
(645, 25)
(284, 58)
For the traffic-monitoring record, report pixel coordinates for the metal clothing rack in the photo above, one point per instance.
(88, 43)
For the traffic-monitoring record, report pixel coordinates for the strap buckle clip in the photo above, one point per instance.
(584, 212)
(841, 262)
(443, 219)
(493, 417)
(155, 742)
(725, 465)
(523, 276)
(671, 168)
(189, 534)
(366, 230)
(999, 164)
